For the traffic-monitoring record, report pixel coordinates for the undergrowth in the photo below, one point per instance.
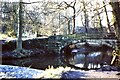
(52, 72)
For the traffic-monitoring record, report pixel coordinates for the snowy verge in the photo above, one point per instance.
(8, 71)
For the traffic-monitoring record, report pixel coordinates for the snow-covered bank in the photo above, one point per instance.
(70, 73)
(8, 71)
(92, 74)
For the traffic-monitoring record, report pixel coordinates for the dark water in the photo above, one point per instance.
(38, 62)
(93, 60)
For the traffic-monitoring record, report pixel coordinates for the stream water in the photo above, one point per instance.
(93, 60)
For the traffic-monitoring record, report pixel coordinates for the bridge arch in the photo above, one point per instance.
(83, 48)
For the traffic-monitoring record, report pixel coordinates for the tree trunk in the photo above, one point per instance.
(86, 18)
(116, 13)
(100, 21)
(74, 11)
(108, 23)
(19, 42)
(68, 26)
(73, 20)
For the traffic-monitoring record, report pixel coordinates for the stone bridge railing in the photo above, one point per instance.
(57, 43)
(109, 42)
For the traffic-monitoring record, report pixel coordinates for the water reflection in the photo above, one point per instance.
(90, 66)
(92, 59)
(94, 54)
(38, 62)
(87, 61)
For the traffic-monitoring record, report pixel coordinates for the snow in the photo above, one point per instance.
(8, 71)
(98, 74)
(91, 43)
(110, 75)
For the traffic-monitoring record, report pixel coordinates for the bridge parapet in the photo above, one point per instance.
(111, 43)
(56, 42)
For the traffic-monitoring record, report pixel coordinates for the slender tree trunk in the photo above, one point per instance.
(100, 21)
(108, 23)
(19, 42)
(68, 26)
(86, 18)
(74, 11)
(73, 20)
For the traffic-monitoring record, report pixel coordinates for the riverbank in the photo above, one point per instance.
(8, 71)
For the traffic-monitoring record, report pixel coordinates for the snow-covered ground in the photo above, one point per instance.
(97, 74)
(8, 71)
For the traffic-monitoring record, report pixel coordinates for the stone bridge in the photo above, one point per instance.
(56, 45)
(56, 42)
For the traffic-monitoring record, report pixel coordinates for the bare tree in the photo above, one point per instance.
(8, 17)
(108, 22)
(116, 10)
(86, 22)
(97, 17)
(71, 5)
